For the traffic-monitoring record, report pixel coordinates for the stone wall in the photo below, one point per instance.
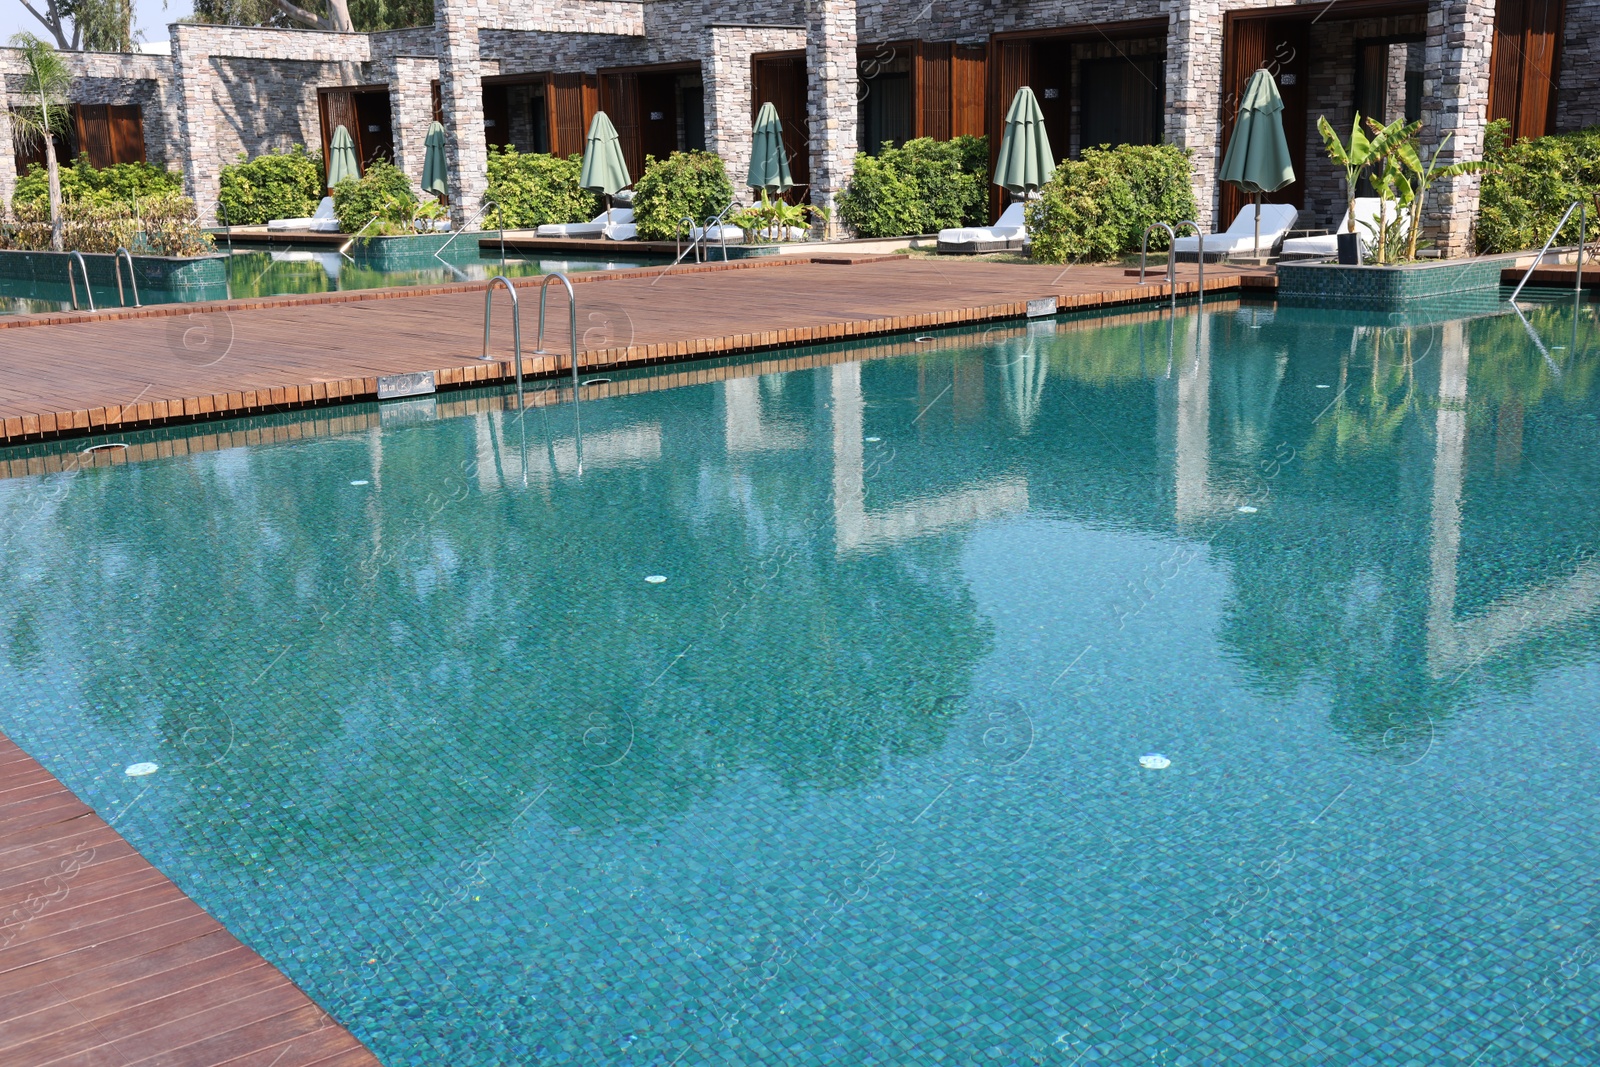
(831, 100)
(725, 76)
(1578, 106)
(1455, 100)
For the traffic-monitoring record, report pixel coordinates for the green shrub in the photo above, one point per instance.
(1530, 183)
(922, 187)
(383, 191)
(1097, 206)
(277, 185)
(122, 183)
(535, 189)
(160, 225)
(692, 184)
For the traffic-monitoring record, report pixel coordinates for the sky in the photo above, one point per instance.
(151, 16)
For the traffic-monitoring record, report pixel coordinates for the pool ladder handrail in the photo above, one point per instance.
(1172, 253)
(75, 255)
(697, 245)
(117, 257)
(1583, 225)
(572, 321)
(516, 322)
(483, 208)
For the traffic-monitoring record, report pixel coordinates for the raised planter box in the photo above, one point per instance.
(174, 278)
(1386, 288)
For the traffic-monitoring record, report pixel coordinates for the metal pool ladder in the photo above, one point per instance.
(1583, 225)
(77, 256)
(1172, 253)
(116, 264)
(572, 319)
(516, 323)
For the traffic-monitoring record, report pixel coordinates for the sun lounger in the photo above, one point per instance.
(322, 222)
(592, 230)
(1240, 238)
(1327, 244)
(1008, 234)
(727, 233)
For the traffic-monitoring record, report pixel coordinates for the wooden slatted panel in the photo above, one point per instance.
(1525, 62)
(1246, 48)
(969, 86)
(781, 79)
(94, 133)
(338, 108)
(932, 83)
(1010, 70)
(619, 99)
(574, 98)
(127, 133)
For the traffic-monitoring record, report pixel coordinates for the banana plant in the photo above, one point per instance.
(1423, 176)
(1389, 145)
(1363, 152)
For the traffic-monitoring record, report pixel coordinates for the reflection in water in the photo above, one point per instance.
(807, 717)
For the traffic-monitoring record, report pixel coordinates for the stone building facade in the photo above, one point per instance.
(227, 91)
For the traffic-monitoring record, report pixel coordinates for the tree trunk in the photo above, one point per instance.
(339, 16)
(54, 171)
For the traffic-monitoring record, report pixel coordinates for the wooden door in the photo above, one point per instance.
(338, 108)
(376, 137)
(1525, 62)
(780, 79)
(496, 116)
(1011, 68)
(931, 89)
(658, 116)
(127, 133)
(1120, 101)
(1051, 79)
(94, 133)
(619, 99)
(969, 85)
(1280, 45)
(573, 100)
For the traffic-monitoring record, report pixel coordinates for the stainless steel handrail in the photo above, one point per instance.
(344, 249)
(1582, 221)
(1200, 253)
(482, 208)
(1144, 251)
(678, 237)
(72, 282)
(699, 242)
(516, 322)
(572, 316)
(121, 254)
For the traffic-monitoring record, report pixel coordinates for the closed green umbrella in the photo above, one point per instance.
(1257, 160)
(342, 158)
(769, 163)
(604, 170)
(433, 167)
(1025, 162)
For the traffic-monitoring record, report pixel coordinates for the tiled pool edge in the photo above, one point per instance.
(100, 951)
(81, 422)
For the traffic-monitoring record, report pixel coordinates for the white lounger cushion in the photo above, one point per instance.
(595, 228)
(1327, 244)
(622, 231)
(724, 234)
(1276, 220)
(317, 222)
(1010, 226)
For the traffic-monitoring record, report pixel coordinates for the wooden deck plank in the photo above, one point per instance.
(104, 961)
(184, 362)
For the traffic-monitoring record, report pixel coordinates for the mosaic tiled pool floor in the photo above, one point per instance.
(860, 781)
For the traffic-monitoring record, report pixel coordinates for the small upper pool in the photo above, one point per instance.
(262, 270)
(1208, 688)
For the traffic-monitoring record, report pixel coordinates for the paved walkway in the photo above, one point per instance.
(73, 373)
(103, 961)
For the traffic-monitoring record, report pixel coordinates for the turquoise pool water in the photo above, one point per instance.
(274, 270)
(860, 781)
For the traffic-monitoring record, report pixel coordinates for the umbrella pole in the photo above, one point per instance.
(1258, 229)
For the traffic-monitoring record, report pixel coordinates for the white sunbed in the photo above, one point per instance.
(1240, 238)
(1008, 233)
(727, 233)
(322, 222)
(1327, 244)
(614, 220)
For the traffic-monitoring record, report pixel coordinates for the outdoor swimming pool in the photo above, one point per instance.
(271, 271)
(860, 781)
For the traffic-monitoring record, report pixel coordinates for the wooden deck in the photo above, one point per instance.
(77, 372)
(103, 961)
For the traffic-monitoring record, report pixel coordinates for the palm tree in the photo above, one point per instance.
(45, 81)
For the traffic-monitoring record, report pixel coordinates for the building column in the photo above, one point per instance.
(411, 111)
(8, 159)
(1194, 93)
(1455, 101)
(461, 87)
(725, 75)
(197, 118)
(831, 98)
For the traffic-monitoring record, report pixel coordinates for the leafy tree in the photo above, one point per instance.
(45, 81)
(350, 15)
(95, 25)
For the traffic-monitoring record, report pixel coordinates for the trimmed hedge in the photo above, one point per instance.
(535, 189)
(277, 185)
(1097, 206)
(120, 184)
(922, 187)
(1530, 183)
(693, 184)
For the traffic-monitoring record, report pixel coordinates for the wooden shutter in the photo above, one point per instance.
(1011, 69)
(1251, 44)
(1525, 62)
(931, 77)
(619, 99)
(126, 122)
(969, 83)
(574, 98)
(781, 79)
(94, 133)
